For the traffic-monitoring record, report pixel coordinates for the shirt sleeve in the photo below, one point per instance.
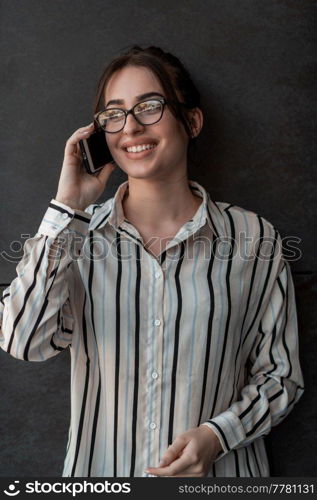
(36, 321)
(275, 381)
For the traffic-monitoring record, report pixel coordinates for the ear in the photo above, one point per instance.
(196, 120)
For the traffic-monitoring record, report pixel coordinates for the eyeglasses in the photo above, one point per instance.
(147, 112)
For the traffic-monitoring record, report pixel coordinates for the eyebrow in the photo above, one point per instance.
(137, 98)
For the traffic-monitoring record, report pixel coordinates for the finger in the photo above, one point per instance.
(192, 471)
(189, 472)
(104, 174)
(186, 475)
(173, 451)
(81, 133)
(76, 150)
(178, 466)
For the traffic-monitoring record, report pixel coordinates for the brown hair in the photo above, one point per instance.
(178, 86)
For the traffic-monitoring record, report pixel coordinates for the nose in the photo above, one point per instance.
(132, 125)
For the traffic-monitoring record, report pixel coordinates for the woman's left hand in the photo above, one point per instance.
(190, 455)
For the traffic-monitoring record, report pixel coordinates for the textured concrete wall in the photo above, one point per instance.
(255, 65)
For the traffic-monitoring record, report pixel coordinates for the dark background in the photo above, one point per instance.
(255, 64)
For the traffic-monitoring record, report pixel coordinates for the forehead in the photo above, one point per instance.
(131, 81)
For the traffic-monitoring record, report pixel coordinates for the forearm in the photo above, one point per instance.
(32, 307)
(274, 379)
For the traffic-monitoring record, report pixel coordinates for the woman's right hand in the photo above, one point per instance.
(76, 188)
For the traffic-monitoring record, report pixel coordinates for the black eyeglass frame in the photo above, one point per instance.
(131, 110)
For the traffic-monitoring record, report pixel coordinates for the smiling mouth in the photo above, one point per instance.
(140, 149)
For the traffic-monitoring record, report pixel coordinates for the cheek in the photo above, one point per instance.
(177, 141)
(114, 148)
(110, 141)
(176, 131)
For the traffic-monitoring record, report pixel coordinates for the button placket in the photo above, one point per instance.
(155, 355)
(157, 373)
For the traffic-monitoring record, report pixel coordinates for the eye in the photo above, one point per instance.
(112, 114)
(149, 107)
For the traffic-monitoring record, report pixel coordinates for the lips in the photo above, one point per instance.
(138, 143)
(140, 154)
(139, 149)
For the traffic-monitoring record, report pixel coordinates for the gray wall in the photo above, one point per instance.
(254, 62)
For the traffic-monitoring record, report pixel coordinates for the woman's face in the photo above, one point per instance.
(168, 158)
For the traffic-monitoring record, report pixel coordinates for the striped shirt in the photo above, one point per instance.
(205, 333)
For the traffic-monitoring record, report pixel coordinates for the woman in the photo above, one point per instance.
(179, 311)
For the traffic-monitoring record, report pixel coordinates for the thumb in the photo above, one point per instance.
(172, 452)
(106, 171)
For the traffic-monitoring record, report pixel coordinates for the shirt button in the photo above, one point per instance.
(154, 374)
(64, 215)
(157, 275)
(157, 322)
(152, 425)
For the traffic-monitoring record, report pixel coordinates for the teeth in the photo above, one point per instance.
(141, 147)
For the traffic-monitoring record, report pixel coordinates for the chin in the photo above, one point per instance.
(141, 171)
(140, 175)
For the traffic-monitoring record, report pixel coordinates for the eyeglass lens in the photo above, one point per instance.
(147, 113)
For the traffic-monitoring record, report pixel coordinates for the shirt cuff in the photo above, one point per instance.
(227, 426)
(58, 217)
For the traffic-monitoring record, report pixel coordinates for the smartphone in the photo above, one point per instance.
(95, 151)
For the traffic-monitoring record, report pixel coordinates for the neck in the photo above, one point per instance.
(159, 202)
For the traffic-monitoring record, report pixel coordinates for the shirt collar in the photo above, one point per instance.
(208, 212)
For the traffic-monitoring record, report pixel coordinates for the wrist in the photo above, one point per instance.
(70, 204)
(215, 440)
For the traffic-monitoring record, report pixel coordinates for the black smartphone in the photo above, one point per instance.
(95, 151)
